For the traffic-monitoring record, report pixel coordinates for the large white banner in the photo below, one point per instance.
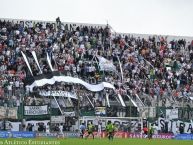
(120, 122)
(173, 126)
(36, 110)
(172, 113)
(68, 79)
(163, 124)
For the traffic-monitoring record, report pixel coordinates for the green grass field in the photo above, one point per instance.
(46, 141)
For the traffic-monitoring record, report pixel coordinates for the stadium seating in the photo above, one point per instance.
(158, 69)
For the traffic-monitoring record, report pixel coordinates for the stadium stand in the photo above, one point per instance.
(156, 70)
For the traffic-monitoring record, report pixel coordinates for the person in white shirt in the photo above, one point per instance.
(155, 127)
(9, 87)
(61, 130)
(36, 127)
(10, 127)
(48, 128)
(99, 129)
(176, 131)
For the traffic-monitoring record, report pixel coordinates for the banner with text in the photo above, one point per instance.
(57, 119)
(17, 134)
(10, 113)
(36, 110)
(171, 113)
(100, 110)
(58, 93)
(173, 126)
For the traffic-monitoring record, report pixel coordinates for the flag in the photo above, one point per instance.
(36, 60)
(121, 100)
(49, 62)
(107, 99)
(26, 61)
(90, 101)
(133, 102)
(105, 65)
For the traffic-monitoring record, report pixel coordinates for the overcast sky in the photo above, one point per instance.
(169, 17)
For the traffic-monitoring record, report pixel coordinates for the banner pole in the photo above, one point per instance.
(58, 105)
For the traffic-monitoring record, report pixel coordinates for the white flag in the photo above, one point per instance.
(133, 102)
(107, 98)
(49, 62)
(36, 60)
(121, 100)
(26, 61)
(106, 65)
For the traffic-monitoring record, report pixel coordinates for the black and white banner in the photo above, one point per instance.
(69, 79)
(173, 126)
(58, 93)
(51, 78)
(36, 110)
(119, 122)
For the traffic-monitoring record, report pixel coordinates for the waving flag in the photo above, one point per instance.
(26, 61)
(49, 62)
(105, 65)
(36, 60)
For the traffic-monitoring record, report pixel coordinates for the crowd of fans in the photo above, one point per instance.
(153, 68)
